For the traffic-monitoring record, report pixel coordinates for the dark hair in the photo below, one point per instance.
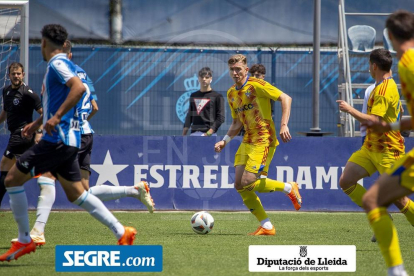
(55, 33)
(401, 25)
(382, 58)
(205, 71)
(259, 68)
(16, 65)
(67, 47)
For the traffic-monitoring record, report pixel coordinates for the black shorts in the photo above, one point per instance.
(50, 157)
(17, 144)
(85, 151)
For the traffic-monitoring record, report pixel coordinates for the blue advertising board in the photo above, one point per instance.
(184, 173)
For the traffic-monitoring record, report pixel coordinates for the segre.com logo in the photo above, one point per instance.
(108, 258)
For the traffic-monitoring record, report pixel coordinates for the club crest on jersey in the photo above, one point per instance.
(16, 101)
(248, 93)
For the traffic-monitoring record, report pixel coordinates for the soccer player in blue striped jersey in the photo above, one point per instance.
(57, 151)
(86, 108)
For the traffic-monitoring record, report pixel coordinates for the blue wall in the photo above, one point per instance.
(186, 173)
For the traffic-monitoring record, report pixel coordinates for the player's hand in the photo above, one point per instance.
(51, 124)
(219, 146)
(28, 131)
(344, 106)
(379, 126)
(285, 134)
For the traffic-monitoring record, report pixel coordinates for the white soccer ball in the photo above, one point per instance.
(202, 222)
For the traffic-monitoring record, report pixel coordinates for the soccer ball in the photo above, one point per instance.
(202, 222)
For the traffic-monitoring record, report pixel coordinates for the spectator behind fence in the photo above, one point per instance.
(206, 111)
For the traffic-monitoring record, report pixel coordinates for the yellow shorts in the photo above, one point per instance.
(373, 161)
(256, 158)
(405, 169)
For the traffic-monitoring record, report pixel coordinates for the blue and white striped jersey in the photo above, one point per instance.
(84, 106)
(54, 92)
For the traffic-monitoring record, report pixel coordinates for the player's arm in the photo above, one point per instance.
(95, 109)
(75, 94)
(286, 103)
(361, 117)
(234, 129)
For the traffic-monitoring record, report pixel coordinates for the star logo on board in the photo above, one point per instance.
(108, 171)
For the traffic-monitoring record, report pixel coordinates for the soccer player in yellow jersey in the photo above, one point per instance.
(380, 150)
(397, 181)
(249, 100)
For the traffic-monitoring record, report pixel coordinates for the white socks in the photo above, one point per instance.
(19, 206)
(266, 224)
(44, 204)
(105, 192)
(397, 271)
(287, 188)
(97, 209)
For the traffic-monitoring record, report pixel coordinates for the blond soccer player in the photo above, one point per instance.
(249, 100)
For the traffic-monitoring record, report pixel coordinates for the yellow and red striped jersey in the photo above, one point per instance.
(406, 72)
(251, 104)
(384, 101)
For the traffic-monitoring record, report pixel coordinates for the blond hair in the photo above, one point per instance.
(237, 58)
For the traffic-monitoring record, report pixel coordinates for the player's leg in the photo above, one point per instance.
(253, 203)
(16, 146)
(68, 174)
(358, 166)
(139, 191)
(258, 164)
(406, 206)
(18, 203)
(45, 202)
(7, 161)
(375, 202)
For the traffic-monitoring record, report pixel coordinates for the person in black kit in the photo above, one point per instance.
(206, 112)
(19, 102)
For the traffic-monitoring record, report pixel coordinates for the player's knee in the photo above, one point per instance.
(344, 183)
(368, 202)
(9, 180)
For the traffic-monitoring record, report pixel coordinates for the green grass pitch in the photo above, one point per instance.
(222, 252)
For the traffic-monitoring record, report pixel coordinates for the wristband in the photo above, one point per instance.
(395, 126)
(226, 139)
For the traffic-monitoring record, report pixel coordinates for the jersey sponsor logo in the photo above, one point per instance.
(243, 108)
(200, 104)
(16, 101)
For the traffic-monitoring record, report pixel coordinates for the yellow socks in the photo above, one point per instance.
(266, 185)
(386, 235)
(252, 201)
(408, 211)
(356, 193)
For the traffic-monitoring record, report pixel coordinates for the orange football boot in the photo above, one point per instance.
(17, 250)
(128, 237)
(294, 195)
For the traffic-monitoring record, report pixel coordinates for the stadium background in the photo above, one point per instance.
(142, 85)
